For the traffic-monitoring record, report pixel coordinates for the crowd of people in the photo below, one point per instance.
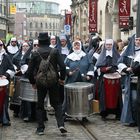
(112, 66)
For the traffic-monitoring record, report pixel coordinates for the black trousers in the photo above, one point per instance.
(54, 101)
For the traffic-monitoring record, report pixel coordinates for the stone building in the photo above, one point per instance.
(107, 16)
(37, 16)
(3, 19)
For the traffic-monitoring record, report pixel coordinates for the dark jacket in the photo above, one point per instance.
(35, 60)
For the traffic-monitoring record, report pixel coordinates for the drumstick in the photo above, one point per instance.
(18, 71)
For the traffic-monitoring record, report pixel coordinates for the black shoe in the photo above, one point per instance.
(46, 119)
(132, 124)
(40, 131)
(103, 118)
(16, 115)
(117, 118)
(84, 119)
(62, 129)
(6, 124)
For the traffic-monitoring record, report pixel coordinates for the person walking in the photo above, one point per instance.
(55, 59)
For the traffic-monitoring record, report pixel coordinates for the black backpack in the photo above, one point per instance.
(46, 75)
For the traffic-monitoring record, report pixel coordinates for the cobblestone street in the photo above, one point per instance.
(102, 130)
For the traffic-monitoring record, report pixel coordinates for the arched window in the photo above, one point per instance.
(50, 26)
(53, 25)
(41, 25)
(46, 25)
(31, 24)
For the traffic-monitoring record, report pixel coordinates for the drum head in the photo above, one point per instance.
(3, 82)
(114, 75)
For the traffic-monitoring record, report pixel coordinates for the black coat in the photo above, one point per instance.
(55, 59)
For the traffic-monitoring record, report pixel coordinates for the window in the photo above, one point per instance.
(46, 25)
(50, 25)
(41, 25)
(31, 24)
(53, 25)
(31, 34)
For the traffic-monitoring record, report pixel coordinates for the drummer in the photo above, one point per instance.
(6, 72)
(78, 65)
(129, 65)
(107, 63)
(21, 59)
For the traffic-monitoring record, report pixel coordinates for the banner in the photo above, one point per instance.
(12, 9)
(124, 13)
(68, 18)
(93, 15)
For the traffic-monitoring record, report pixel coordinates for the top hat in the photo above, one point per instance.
(43, 36)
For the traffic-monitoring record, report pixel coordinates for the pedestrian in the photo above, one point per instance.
(126, 65)
(109, 88)
(44, 50)
(53, 41)
(12, 47)
(64, 47)
(79, 68)
(35, 45)
(6, 72)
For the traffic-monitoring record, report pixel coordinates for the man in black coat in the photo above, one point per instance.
(44, 50)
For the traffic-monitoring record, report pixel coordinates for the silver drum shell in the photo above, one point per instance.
(79, 97)
(27, 93)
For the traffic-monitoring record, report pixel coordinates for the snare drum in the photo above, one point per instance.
(112, 87)
(3, 86)
(27, 93)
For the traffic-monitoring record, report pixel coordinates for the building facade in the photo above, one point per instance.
(36, 16)
(107, 19)
(3, 19)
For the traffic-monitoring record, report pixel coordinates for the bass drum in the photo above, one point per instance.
(3, 89)
(27, 93)
(112, 87)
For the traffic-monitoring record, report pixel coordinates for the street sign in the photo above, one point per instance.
(67, 29)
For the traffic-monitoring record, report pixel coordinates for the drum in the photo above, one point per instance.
(79, 96)
(3, 86)
(112, 88)
(27, 93)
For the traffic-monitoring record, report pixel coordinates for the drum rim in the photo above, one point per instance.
(109, 77)
(4, 82)
(75, 85)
